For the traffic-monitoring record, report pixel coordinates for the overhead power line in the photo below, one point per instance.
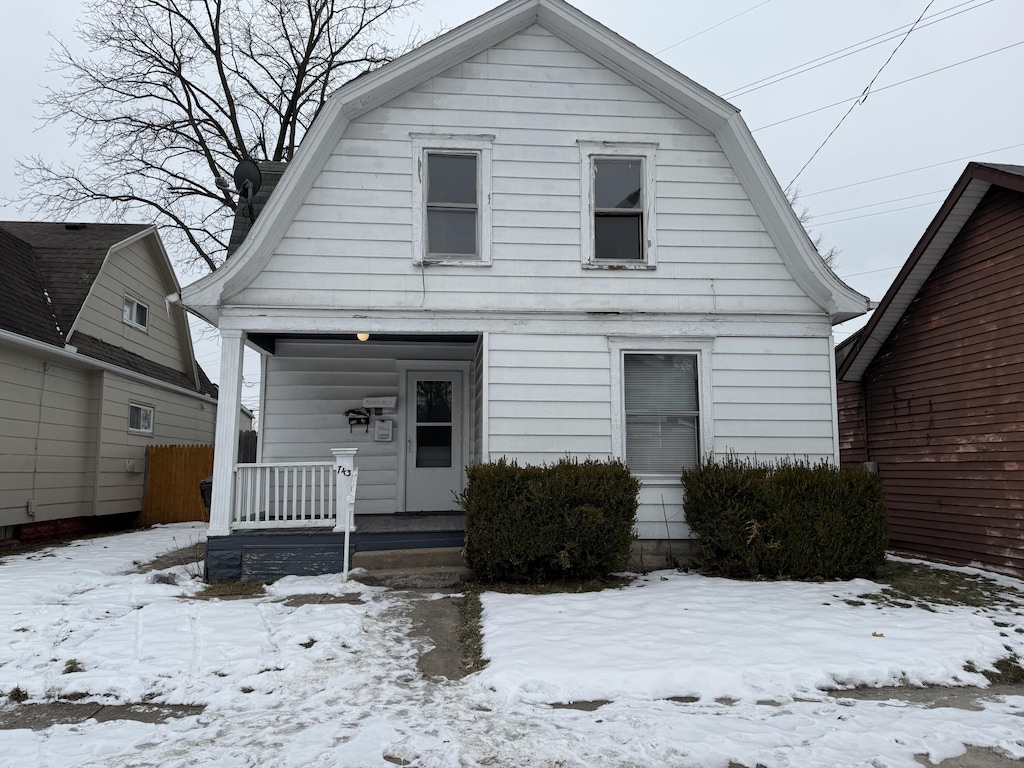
(876, 213)
(804, 195)
(713, 26)
(849, 50)
(862, 98)
(859, 99)
(881, 202)
(869, 272)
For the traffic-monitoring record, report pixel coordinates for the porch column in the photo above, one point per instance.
(225, 452)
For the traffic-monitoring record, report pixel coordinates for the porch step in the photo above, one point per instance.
(404, 559)
(429, 568)
(444, 577)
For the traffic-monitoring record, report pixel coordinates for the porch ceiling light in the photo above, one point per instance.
(363, 336)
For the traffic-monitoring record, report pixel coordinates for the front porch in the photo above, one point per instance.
(258, 555)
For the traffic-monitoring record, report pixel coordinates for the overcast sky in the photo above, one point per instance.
(965, 99)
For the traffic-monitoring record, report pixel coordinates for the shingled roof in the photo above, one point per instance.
(68, 258)
(48, 269)
(24, 306)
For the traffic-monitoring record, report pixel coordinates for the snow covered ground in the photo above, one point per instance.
(698, 672)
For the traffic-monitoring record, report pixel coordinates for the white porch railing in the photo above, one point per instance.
(290, 495)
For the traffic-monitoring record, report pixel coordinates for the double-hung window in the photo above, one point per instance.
(453, 205)
(662, 412)
(451, 199)
(135, 313)
(618, 209)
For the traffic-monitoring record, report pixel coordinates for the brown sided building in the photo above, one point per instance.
(932, 388)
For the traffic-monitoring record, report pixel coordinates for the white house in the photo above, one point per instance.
(557, 245)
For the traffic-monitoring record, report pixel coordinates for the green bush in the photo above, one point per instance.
(786, 520)
(570, 520)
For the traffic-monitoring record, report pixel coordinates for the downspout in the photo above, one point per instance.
(101, 398)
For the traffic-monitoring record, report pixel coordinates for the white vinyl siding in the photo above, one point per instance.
(349, 244)
(309, 386)
(549, 397)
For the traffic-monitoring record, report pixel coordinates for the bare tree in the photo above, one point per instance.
(172, 94)
(803, 213)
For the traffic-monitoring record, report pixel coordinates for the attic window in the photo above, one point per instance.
(136, 313)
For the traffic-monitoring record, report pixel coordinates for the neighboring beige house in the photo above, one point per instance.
(527, 239)
(95, 366)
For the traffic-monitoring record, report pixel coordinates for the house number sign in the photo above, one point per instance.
(344, 472)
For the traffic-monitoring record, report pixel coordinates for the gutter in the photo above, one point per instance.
(85, 361)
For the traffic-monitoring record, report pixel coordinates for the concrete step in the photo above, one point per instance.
(437, 577)
(405, 559)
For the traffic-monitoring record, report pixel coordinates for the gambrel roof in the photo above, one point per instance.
(643, 70)
(48, 270)
(855, 354)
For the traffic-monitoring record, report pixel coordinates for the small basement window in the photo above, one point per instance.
(136, 313)
(140, 418)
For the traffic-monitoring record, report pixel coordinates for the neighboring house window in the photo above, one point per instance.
(136, 313)
(662, 412)
(618, 212)
(140, 418)
(452, 199)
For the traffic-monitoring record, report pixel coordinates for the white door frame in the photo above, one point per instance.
(405, 367)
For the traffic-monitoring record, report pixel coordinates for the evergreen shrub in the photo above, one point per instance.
(786, 520)
(572, 520)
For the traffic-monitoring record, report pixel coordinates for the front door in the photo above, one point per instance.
(434, 458)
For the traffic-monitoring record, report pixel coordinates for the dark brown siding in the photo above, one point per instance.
(852, 446)
(944, 395)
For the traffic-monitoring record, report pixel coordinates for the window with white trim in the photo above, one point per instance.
(452, 199)
(140, 418)
(135, 313)
(618, 211)
(662, 412)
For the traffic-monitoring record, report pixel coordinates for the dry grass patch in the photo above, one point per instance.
(230, 590)
(922, 586)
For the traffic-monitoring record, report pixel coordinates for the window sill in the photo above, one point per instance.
(452, 263)
(136, 326)
(646, 479)
(618, 265)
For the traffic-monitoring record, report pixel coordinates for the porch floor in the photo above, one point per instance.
(409, 523)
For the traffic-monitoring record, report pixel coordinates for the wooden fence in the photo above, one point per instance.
(173, 473)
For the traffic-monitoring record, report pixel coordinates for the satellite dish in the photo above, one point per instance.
(248, 181)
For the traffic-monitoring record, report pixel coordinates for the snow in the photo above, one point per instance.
(697, 671)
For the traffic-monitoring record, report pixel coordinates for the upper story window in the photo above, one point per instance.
(452, 199)
(453, 205)
(618, 226)
(136, 313)
(140, 418)
(618, 209)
